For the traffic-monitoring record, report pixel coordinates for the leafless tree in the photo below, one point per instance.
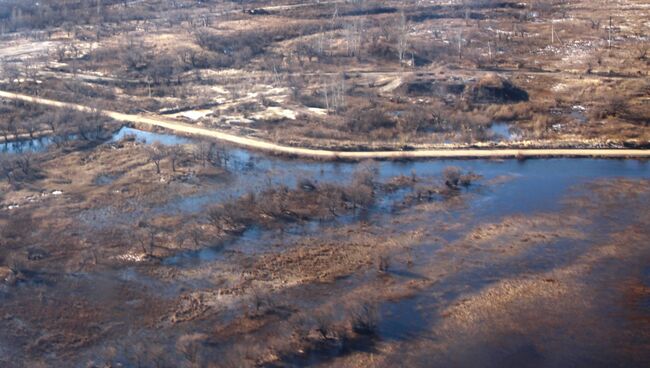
(361, 192)
(334, 93)
(89, 126)
(353, 33)
(175, 154)
(7, 165)
(452, 176)
(365, 319)
(402, 37)
(9, 128)
(146, 236)
(24, 161)
(156, 152)
(31, 126)
(201, 152)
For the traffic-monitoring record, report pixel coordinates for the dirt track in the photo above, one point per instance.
(317, 153)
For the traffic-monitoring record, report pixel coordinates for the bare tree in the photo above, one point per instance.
(5, 131)
(156, 153)
(365, 319)
(352, 33)
(361, 191)
(202, 152)
(24, 161)
(402, 37)
(90, 127)
(175, 154)
(31, 126)
(146, 236)
(452, 175)
(7, 164)
(334, 93)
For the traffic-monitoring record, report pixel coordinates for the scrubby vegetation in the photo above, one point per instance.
(346, 74)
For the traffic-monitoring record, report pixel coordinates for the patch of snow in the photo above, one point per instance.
(317, 110)
(220, 89)
(559, 87)
(236, 119)
(193, 114)
(275, 112)
(392, 85)
(132, 257)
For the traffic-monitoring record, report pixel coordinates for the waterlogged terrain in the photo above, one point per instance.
(243, 259)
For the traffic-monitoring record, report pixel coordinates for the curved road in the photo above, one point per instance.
(177, 126)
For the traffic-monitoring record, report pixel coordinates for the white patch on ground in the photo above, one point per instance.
(559, 87)
(230, 119)
(220, 89)
(277, 91)
(392, 85)
(57, 65)
(132, 257)
(317, 111)
(21, 49)
(193, 114)
(275, 112)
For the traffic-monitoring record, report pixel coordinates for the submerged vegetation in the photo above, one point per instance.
(222, 257)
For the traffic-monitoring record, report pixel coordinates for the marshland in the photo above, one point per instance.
(128, 245)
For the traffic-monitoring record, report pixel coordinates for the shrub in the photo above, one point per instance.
(365, 319)
(363, 120)
(383, 264)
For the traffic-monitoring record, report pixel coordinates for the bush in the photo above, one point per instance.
(383, 264)
(365, 319)
(454, 178)
(366, 120)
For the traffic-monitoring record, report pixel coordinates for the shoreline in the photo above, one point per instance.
(255, 144)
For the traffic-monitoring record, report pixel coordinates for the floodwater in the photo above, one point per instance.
(149, 137)
(29, 145)
(522, 188)
(506, 188)
(525, 187)
(43, 143)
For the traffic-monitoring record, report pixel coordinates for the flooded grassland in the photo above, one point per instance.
(113, 255)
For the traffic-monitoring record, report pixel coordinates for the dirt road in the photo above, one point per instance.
(318, 153)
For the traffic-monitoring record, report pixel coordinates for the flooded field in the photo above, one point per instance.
(266, 261)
